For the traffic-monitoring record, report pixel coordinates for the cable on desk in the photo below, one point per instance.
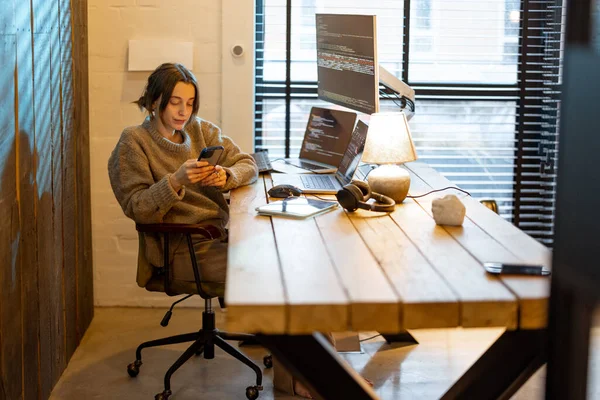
(412, 197)
(439, 190)
(369, 338)
(318, 197)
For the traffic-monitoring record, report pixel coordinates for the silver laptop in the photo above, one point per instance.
(330, 183)
(327, 135)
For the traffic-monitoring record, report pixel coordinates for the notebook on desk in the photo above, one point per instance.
(326, 137)
(330, 183)
(296, 207)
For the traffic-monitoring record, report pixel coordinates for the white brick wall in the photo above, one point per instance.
(112, 23)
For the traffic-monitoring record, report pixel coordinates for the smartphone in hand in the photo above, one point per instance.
(515, 269)
(211, 154)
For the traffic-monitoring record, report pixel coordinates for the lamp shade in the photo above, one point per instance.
(389, 140)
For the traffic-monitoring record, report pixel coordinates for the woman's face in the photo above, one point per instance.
(179, 108)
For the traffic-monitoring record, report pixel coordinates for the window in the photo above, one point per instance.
(486, 76)
(422, 15)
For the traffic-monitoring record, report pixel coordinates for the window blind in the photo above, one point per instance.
(542, 42)
(487, 81)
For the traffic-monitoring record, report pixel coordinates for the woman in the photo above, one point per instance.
(156, 178)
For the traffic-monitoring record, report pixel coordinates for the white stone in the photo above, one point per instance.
(448, 210)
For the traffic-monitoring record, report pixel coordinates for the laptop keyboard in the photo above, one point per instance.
(317, 182)
(262, 160)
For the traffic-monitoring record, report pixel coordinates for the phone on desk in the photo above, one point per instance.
(515, 269)
(211, 154)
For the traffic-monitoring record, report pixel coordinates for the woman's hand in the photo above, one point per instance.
(191, 171)
(217, 178)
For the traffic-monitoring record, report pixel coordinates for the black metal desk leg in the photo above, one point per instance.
(503, 368)
(401, 337)
(569, 324)
(312, 359)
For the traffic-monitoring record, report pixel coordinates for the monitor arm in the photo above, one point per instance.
(398, 91)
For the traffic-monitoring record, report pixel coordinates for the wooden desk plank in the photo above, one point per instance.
(426, 299)
(374, 303)
(518, 242)
(515, 246)
(254, 292)
(484, 300)
(316, 298)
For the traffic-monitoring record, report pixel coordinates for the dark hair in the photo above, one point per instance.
(162, 82)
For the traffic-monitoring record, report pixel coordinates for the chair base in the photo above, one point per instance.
(204, 342)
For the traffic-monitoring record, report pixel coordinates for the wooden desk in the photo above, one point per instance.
(384, 272)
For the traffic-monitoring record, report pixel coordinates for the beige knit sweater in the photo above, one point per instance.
(139, 169)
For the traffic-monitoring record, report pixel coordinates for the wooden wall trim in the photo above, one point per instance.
(46, 293)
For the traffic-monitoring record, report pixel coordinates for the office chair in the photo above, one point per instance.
(208, 336)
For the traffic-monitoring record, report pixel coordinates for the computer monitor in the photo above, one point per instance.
(347, 68)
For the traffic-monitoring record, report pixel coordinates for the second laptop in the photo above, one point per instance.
(328, 133)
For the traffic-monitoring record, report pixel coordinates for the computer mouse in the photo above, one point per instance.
(283, 191)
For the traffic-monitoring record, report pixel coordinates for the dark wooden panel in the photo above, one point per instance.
(69, 199)
(85, 292)
(46, 294)
(28, 200)
(10, 274)
(44, 220)
(56, 272)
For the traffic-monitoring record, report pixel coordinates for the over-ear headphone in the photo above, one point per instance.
(355, 195)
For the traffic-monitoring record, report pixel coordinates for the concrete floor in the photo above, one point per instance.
(424, 371)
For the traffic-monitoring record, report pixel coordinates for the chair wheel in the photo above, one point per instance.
(268, 361)
(133, 369)
(252, 393)
(163, 396)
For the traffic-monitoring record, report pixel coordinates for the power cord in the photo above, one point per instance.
(439, 190)
(318, 197)
(402, 102)
(369, 338)
(410, 197)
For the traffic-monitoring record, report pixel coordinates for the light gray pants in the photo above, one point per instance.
(211, 256)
